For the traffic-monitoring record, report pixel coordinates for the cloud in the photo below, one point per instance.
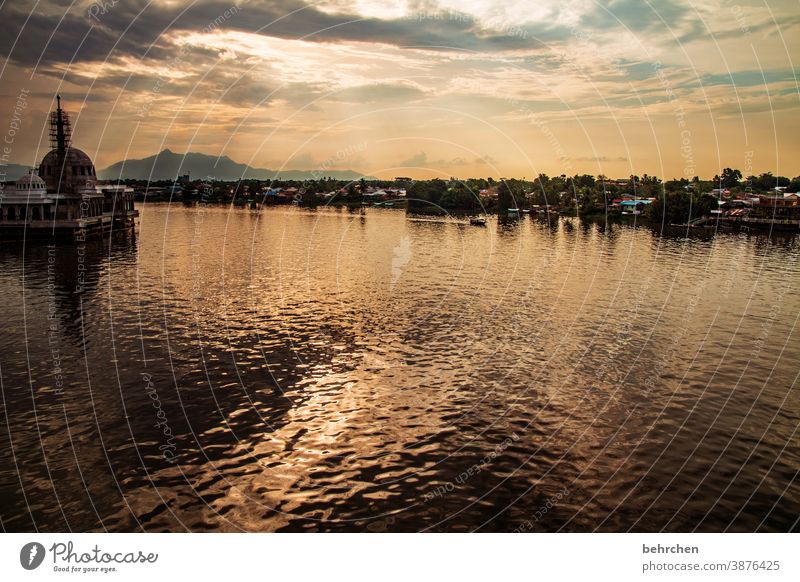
(737, 27)
(134, 28)
(417, 160)
(377, 92)
(749, 78)
(421, 160)
(487, 159)
(636, 15)
(270, 75)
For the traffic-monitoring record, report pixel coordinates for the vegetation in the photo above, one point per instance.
(680, 207)
(674, 201)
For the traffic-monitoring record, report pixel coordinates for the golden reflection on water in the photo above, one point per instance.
(328, 370)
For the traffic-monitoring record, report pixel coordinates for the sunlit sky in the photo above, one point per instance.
(418, 88)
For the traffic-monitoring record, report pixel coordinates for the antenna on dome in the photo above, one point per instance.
(60, 128)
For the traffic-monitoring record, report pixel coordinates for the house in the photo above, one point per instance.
(632, 205)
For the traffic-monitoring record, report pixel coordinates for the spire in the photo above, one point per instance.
(60, 128)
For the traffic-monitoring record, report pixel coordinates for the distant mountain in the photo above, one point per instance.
(12, 172)
(169, 165)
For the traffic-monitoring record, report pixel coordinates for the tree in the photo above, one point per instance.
(459, 197)
(589, 204)
(767, 181)
(505, 198)
(729, 179)
(676, 185)
(681, 207)
(583, 181)
(426, 193)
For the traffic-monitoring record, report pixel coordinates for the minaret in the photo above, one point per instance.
(60, 129)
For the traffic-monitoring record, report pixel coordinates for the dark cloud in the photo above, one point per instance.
(70, 37)
(134, 28)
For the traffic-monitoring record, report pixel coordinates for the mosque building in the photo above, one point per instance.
(63, 198)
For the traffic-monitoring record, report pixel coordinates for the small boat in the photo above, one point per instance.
(477, 221)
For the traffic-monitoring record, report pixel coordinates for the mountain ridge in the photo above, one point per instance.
(12, 172)
(168, 165)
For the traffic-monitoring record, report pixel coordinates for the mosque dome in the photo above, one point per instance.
(70, 170)
(31, 182)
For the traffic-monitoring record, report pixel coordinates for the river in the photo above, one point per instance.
(325, 370)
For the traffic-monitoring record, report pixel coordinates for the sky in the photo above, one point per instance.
(420, 88)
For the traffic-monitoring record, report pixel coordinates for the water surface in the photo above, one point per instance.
(300, 370)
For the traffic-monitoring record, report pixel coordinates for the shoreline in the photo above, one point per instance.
(710, 228)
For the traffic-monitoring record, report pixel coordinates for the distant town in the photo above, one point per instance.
(730, 197)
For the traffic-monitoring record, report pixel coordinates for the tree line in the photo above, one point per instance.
(581, 194)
